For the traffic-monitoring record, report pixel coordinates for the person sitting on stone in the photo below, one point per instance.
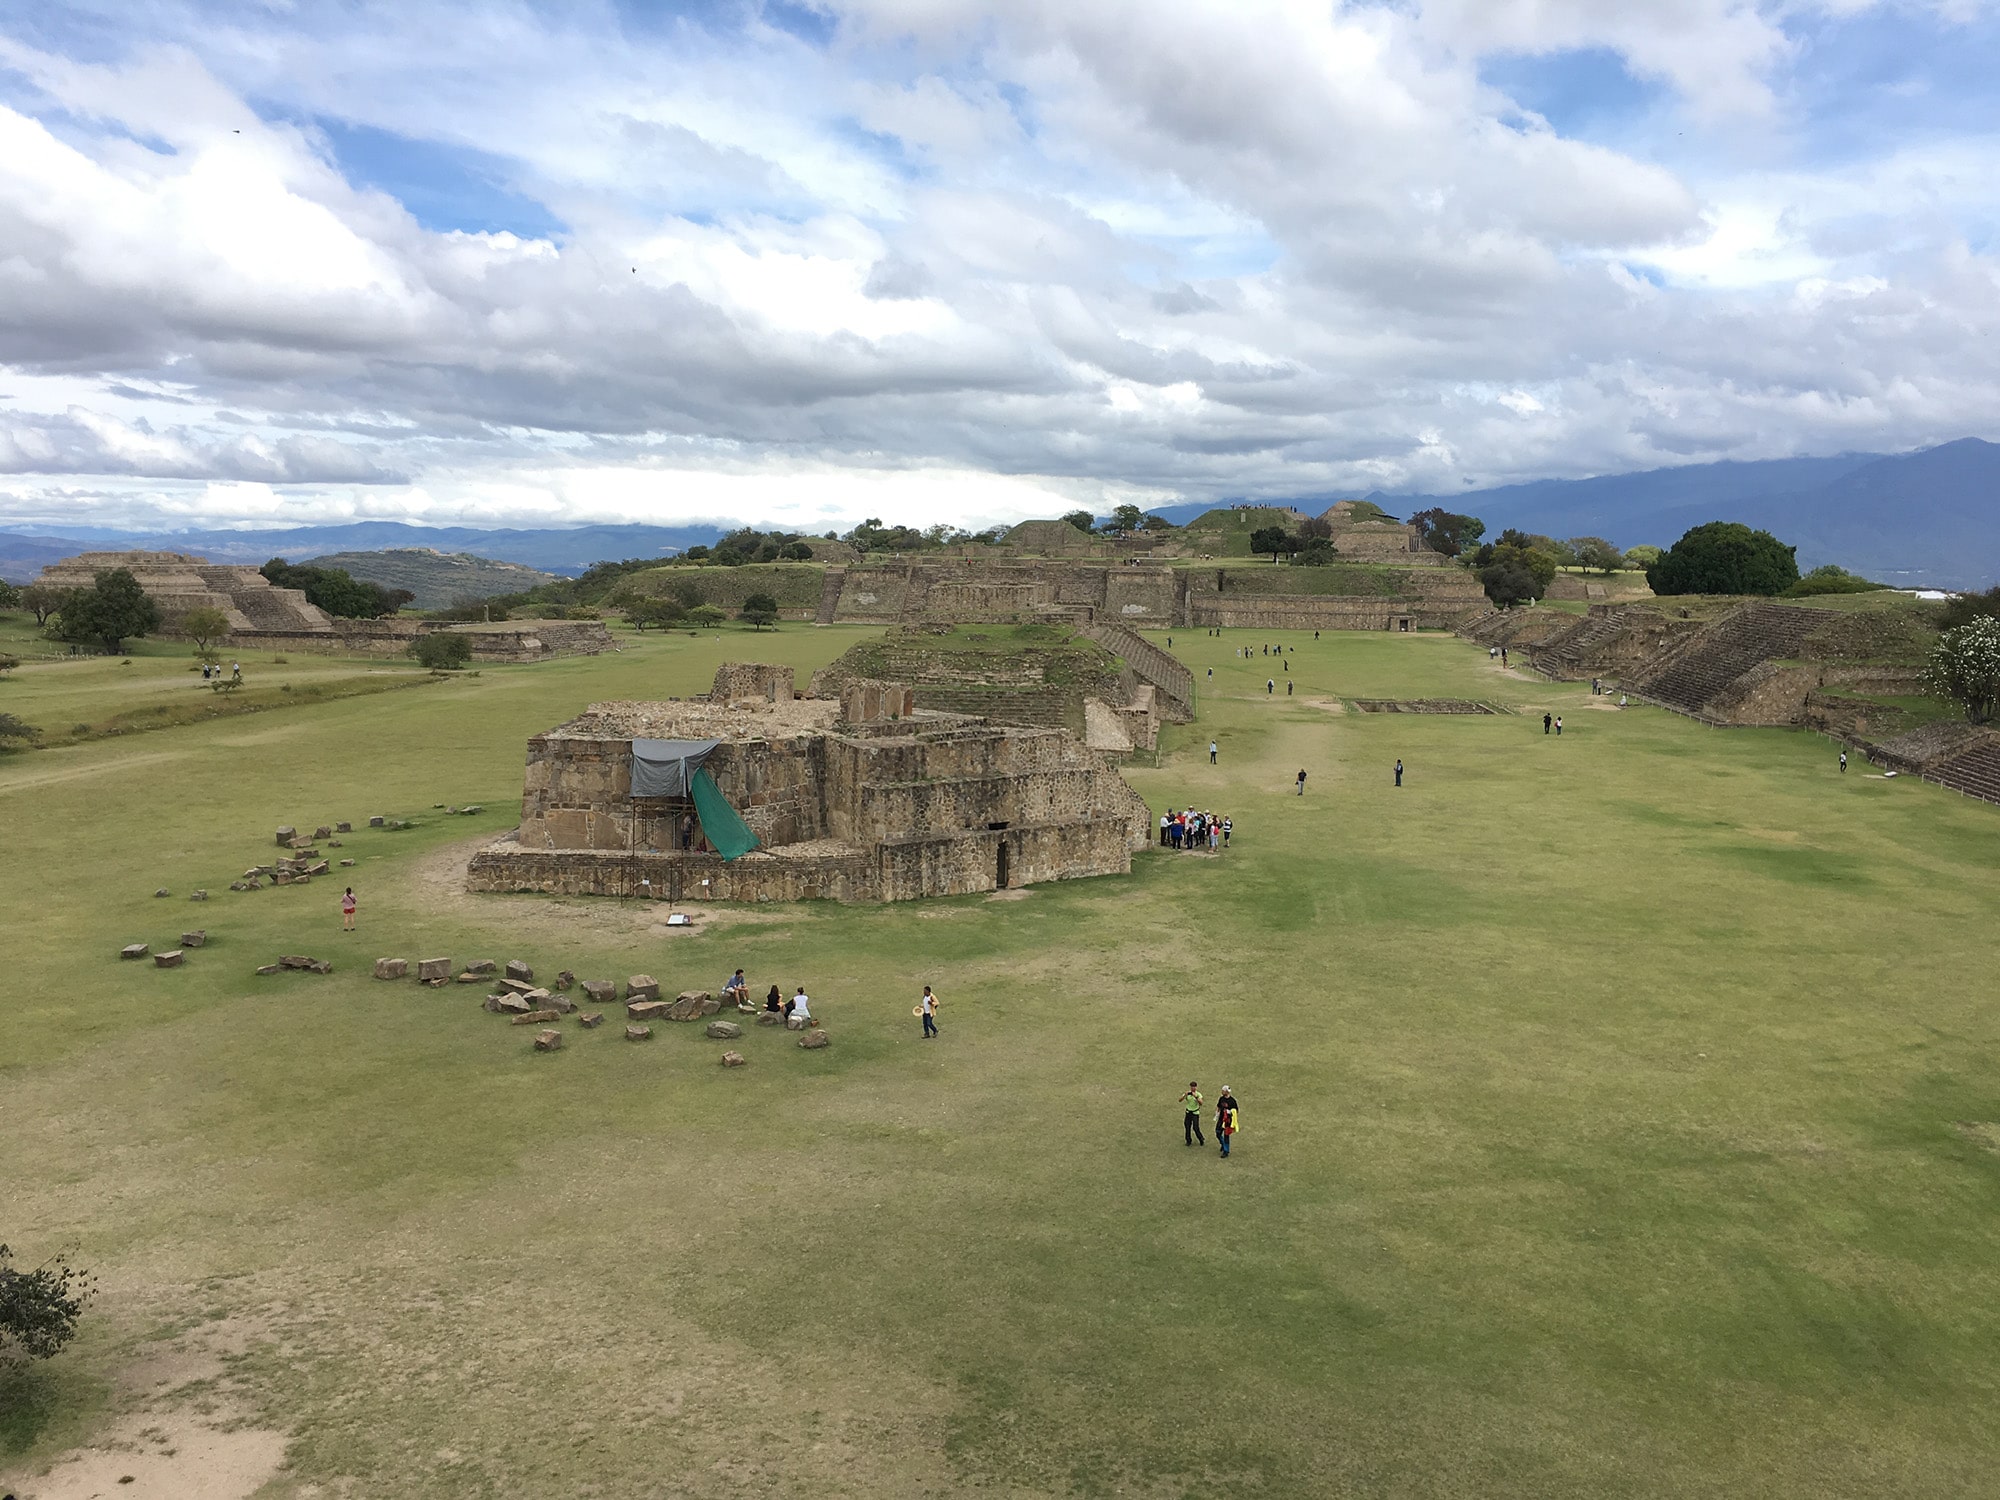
(735, 989)
(801, 1009)
(775, 1001)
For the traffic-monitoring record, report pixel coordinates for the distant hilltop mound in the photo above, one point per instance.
(436, 578)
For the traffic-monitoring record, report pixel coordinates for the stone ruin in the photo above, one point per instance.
(863, 797)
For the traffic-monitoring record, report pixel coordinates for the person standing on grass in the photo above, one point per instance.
(1225, 1117)
(1503, 658)
(1228, 827)
(1843, 762)
(1211, 752)
(1302, 783)
(1288, 685)
(347, 910)
(1546, 721)
(1559, 726)
(1399, 770)
(1166, 822)
(1191, 1104)
(1271, 685)
(928, 1005)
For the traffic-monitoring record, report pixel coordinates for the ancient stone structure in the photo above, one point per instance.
(854, 809)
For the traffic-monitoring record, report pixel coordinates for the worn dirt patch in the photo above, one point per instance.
(1980, 1132)
(1330, 705)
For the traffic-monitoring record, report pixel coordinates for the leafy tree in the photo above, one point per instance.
(728, 557)
(1643, 556)
(1446, 531)
(39, 1308)
(796, 552)
(1832, 579)
(1127, 518)
(1318, 552)
(10, 596)
(1512, 573)
(8, 663)
(204, 626)
(336, 591)
(660, 614)
(760, 611)
(1315, 529)
(1156, 523)
(1272, 539)
(12, 728)
(697, 553)
(109, 611)
(43, 600)
(1725, 557)
(1594, 552)
(705, 616)
(1965, 667)
(442, 650)
(1082, 520)
(1966, 608)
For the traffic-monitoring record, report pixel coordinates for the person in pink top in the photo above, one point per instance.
(347, 910)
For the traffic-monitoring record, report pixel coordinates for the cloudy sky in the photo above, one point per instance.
(805, 261)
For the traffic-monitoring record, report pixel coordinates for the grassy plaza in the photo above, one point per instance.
(1620, 1115)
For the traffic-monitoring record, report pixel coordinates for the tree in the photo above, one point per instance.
(1830, 578)
(759, 611)
(39, 1308)
(1643, 556)
(1082, 520)
(204, 626)
(1447, 531)
(796, 552)
(1966, 608)
(109, 611)
(1512, 573)
(43, 599)
(1156, 523)
(1127, 518)
(1725, 557)
(1315, 529)
(1272, 539)
(12, 728)
(1965, 667)
(661, 614)
(1594, 552)
(705, 616)
(1318, 552)
(10, 596)
(337, 591)
(442, 650)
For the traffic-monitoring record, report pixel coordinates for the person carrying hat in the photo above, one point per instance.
(928, 1006)
(1225, 1117)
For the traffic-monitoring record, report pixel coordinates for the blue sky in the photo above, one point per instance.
(804, 262)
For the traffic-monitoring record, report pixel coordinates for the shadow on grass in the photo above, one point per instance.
(35, 1395)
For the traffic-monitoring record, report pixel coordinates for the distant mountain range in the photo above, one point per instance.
(436, 578)
(1931, 517)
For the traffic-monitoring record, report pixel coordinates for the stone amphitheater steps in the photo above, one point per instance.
(1975, 772)
(831, 583)
(1562, 656)
(1714, 658)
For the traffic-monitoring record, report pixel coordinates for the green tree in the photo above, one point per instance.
(1643, 556)
(1513, 573)
(1725, 557)
(1272, 539)
(660, 614)
(705, 616)
(442, 650)
(1447, 531)
(1594, 552)
(1965, 667)
(12, 728)
(109, 611)
(204, 626)
(337, 591)
(1127, 518)
(1082, 520)
(1832, 579)
(42, 600)
(1315, 529)
(39, 1308)
(796, 552)
(1963, 609)
(760, 611)
(1318, 552)
(10, 596)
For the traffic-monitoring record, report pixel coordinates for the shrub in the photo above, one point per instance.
(1725, 557)
(1966, 608)
(1965, 667)
(39, 1308)
(442, 650)
(1831, 580)
(15, 729)
(8, 663)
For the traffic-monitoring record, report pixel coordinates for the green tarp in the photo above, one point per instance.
(728, 834)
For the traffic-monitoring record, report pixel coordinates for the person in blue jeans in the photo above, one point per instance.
(929, 1007)
(1225, 1117)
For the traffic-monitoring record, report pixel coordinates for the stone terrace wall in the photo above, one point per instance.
(1173, 682)
(846, 876)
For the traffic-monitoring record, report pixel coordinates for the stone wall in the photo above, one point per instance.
(753, 682)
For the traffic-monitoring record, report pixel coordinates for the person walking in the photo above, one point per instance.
(1559, 726)
(1166, 822)
(1211, 752)
(1302, 783)
(1546, 721)
(928, 1006)
(236, 671)
(347, 910)
(1191, 1103)
(1228, 827)
(1843, 762)
(1225, 1117)
(1270, 685)
(1503, 657)
(1399, 770)
(1288, 687)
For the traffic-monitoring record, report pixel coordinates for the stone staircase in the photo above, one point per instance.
(1564, 656)
(1174, 682)
(1974, 771)
(831, 583)
(1699, 669)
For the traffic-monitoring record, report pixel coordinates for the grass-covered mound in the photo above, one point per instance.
(795, 585)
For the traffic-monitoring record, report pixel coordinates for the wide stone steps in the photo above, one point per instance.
(1716, 657)
(1975, 772)
(831, 583)
(1562, 656)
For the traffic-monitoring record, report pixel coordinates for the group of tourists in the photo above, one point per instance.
(1191, 828)
(1225, 1117)
(736, 990)
(211, 671)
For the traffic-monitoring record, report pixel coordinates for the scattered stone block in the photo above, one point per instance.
(436, 984)
(480, 966)
(637, 1033)
(347, 864)
(692, 1005)
(793, 1023)
(162, 891)
(302, 962)
(517, 986)
(376, 821)
(268, 968)
(600, 991)
(733, 1059)
(392, 968)
(302, 880)
(548, 1041)
(335, 844)
(286, 835)
(535, 1017)
(513, 1005)
(343, 828)
(466, 976)
(237, 885)
(198, 895)
(646, 1010)
(135, 950)
(642, 987)
(171, 959)
(253, 885)
(518, 970)
(815, 1039)
(561, 1003)
(590, 1019)
(564, 979)
(492, 1003)
(433, 968)
(283, 877)
(535, 997)
(196, 939)
(472, 811)
(770, 1018)
(320, 867)
(724, 1031)
(324, 831)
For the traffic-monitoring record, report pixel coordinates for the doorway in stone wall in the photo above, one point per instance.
(999, 859)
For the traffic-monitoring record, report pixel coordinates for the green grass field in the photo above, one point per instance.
(1619, 1119)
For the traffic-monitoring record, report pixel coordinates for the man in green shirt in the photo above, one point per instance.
(1191, 1130)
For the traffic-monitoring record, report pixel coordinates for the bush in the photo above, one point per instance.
(39, 1308)
(658, 613)
(1965, 667)
(8, 663)
(336, 591)
(1725, 557)
(442, 650)
(1966, 608)
(1832, 580)
(15, 729)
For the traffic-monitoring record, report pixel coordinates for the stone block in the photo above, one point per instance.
(197, 895)
(724, 1031)
(590, 1019)
(282, 877)
(535, 997)
(646, 1010)
(376, 821)
(391, 968)
(512, 1005)
(637, 1033)
(562, 1004)
(195, 939)
(492, 1003)
(518, 970)
(565, 979)
(793, 1023)
(480, 966)
(324, 831)
(135, 950)
(692, 1005)
(162, 891)
(433, 968)
(466, 976)
(516, 986)
(769, 1018)
(171, 959)
(286, 835)
(318, 867)
(733, 1059)
(343, 828)
(347, 864)
(304, 963)
(535, 1017)
(642, 987)
(815, 1039)
(335, 844)
(268, 968)
(548, 1041)
(600, 991)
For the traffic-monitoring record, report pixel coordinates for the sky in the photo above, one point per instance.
(805, 262)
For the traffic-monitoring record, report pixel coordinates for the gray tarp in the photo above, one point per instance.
(663, 768)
